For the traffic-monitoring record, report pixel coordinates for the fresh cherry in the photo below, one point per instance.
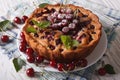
(23, 42)
(31, 59)
(70, 66)
(24, 18)
(82, 63)
(53, 63)
(65, 29)
(4, 38)
(39, 59)
(22, 35)
(60, 67)
(29, 51)
(30, 72)
(102, 71)
(17, 20)
(22, 48)
(72, 26)
(68, 11)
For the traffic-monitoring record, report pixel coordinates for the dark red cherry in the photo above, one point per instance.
(60, 67)
(71, 66)
(69, 16)
(64, 22)
(4, 38)
(23, 42)
(39, 59)
(65, 29)
(24, 18)
(102, 71)
(31, 59)
(17, 20)
(62, 10)
(60, 16)
(22, 35)
(30, 72)
(29, 51)
(75, 21)
(53, 63)
(82, 63)
(72, 26)
(54, 26)
(69, 11)
(22, 48)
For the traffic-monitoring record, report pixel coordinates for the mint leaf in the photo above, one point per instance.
(68, 42)
(18, 63)
(109, 69)
(42, 24)
(34, 22)
(31, 29)
(42, 5)
(75, 43)
(4, 24)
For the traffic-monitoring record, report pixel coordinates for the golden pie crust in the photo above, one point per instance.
(60, 53)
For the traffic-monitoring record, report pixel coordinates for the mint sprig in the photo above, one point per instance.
(75, 43)
(4, 25)
(31, 29)
(109, 69)
(43, 5)
(18, 63)
(68, 41)
(41, 24)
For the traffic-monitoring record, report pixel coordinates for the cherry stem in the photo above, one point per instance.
(76, 13)
(24, 10)
(1, 29)
(65, 1)
(65, 70)
(35, 4)
(103, 63)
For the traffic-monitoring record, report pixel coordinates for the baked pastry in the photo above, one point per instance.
(63, 33)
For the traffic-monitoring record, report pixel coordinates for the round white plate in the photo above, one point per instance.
(96, 54)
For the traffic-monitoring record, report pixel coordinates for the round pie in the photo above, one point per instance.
(63, 33)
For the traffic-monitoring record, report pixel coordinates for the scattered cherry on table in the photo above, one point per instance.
(60, 66)
(29, 51)
(30, 72)
(24, 18)
(53, 63)
(22, 48)
(31, 59)
(70, 66)
(17, 20)
(4, 38)
(101, 71)
(39, 59)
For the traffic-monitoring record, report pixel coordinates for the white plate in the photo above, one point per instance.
(96, 54)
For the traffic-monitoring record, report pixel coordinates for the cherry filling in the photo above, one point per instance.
(51, 47)
(31, 23)
(36, 35)
(92, 27)
(58, 41)
(39, 14)
(65, 21)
